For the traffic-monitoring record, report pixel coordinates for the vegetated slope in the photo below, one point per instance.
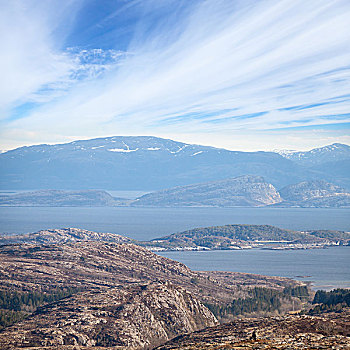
(240, 191)
(113, 294)
(223, 237)
(327, 331)
(138, 163)
(317, 193)
(61, 198)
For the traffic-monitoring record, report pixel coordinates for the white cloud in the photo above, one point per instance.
(223, 63)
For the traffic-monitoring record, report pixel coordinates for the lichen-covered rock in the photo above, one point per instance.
(327, 331)
(136, 317)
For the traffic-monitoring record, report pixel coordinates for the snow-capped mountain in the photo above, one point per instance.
(330, 153)
(142, 163)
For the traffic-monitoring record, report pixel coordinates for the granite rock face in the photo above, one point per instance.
(137, 317)
(251, 191)
(97, 294)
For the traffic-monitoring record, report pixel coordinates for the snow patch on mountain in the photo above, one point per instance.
(122, 150)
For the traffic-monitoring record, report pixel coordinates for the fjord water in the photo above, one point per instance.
(325, 268)
(328, 268)
(147, 223)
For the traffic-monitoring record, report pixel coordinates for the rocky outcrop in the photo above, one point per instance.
(327, 331)
(137, 317)
(315, 193)
(91, 265)
(65, 235)
(240, 191)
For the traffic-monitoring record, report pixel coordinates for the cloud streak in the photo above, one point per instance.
(210, 66)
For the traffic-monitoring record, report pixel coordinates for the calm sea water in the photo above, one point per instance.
(326, 268)
(148, 223)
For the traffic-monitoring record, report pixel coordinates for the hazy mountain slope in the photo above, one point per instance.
(240, 191)
(145, 163)
(335, 172)
(61, 198)
(330, 153)
(314, 194)
(310, 189)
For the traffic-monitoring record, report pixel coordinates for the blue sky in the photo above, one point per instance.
(245, 75)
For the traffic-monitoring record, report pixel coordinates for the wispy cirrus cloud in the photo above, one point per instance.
(204, 67)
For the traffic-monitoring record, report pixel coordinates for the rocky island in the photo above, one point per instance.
(247, 237)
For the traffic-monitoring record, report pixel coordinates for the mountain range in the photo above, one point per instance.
(150, 163)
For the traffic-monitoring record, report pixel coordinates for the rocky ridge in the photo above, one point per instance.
(327, 331)
(329, 153)
(136, 317)
(317, 193)
(65, 235)
(120, 295)
(240, 191)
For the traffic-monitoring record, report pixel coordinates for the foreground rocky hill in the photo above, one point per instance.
(327, 331)
(106, 294)
(136, 317)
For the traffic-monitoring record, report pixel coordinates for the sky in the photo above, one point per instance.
(239, 74)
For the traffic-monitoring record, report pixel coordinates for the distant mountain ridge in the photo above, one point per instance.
(61, 198)
(316, 156)
(148, 163)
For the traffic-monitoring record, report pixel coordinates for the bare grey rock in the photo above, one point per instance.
(245, 190)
